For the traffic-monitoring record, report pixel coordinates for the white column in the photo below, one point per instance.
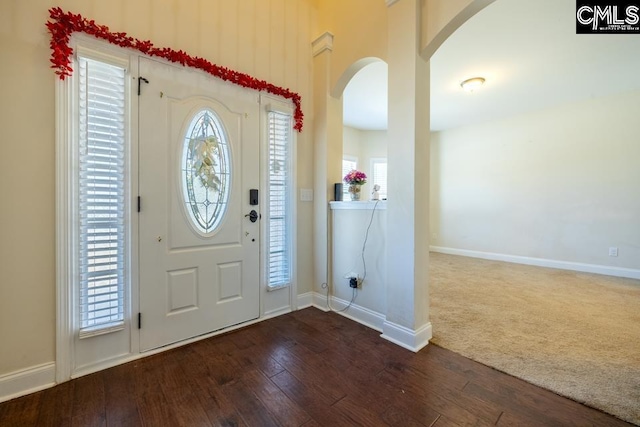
(407, 317)
(327, 139)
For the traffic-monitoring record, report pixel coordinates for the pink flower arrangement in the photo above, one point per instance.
(355, 178)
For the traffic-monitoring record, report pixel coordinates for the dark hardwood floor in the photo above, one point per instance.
(306, 368)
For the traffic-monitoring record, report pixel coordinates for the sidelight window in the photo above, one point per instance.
(101, 161)
(279, 262)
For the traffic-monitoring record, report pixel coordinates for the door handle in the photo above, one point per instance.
(253, 216)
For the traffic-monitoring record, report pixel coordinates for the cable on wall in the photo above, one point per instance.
(364, 244)
(354, 293)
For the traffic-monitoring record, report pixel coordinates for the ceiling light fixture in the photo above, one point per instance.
(472, 84)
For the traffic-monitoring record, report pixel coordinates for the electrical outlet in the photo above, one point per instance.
(306, 195)
(353, 282)
(613, 251)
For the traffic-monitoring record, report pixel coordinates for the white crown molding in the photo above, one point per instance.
(391, 2)
(542, 262)
(322, 43)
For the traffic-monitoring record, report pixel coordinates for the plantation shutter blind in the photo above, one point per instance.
(380, 177)
(279, 262)
(101, 194)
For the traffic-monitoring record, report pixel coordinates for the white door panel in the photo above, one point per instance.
(193, 282)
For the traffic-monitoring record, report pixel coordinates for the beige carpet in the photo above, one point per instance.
(576, 334)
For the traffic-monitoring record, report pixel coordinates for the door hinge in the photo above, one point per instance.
(140, 80)
(139, 320)
(139, 204)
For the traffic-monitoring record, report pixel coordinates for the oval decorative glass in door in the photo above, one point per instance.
(206, 171)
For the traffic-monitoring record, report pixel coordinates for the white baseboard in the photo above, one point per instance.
(357, 313)
(101, 365)
(397, 334)
(405, 337)
(542, 262)
(320, 301)
(26, 381)
(305, 300)
(363, 315)
(275, 313)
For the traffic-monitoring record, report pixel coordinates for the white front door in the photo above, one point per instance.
(198, 160)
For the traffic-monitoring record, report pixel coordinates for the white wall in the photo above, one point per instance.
(365, 145)
(560, 184)
(351, 143)
(349, 222)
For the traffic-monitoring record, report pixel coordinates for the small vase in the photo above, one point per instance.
(354, 192)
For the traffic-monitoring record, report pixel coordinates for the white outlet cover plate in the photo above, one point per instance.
(306, 195)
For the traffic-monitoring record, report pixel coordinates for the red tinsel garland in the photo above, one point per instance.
(64, 24)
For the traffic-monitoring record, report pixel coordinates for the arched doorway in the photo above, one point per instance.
(522, 172)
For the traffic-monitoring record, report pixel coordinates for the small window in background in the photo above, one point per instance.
(379, 176)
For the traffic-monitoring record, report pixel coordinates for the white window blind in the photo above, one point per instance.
(279, 203)
(101, 194)
(379, 172)
(348, 164)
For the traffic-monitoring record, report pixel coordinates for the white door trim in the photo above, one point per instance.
(272, 300)
(64, 241)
